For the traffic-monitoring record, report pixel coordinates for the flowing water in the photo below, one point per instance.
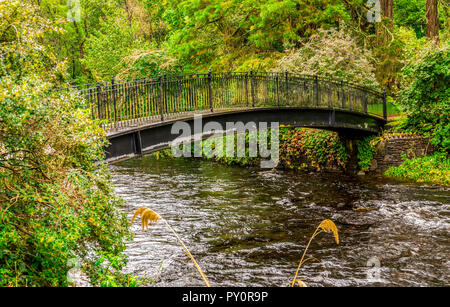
(249, 227)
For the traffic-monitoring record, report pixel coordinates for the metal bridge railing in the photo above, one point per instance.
(128, 103)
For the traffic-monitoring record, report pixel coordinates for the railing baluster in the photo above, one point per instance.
(246, 89)
(317, 90)
(252, 87)
(98, 102)
(125, 103)
(286, 95)
(113, 92)
(210, 92)
(277, 91)
(161, 98)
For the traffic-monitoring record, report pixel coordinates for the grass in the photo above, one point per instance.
(391, 109)
(430, 169)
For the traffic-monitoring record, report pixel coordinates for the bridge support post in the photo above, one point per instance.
(332, 118)
(384, 105)
(138, 143)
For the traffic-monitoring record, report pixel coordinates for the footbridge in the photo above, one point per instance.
(138, 115)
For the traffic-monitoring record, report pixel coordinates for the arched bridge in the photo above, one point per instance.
(138, 115)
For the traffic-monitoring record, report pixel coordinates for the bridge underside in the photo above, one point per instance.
(156, 136)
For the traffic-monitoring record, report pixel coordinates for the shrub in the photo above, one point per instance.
(333, 54)
(56, 202)
(426, 98)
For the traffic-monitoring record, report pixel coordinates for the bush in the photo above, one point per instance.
(333, 54)
(56, 202)
(426, 98)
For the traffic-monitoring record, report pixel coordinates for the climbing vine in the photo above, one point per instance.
(366, 152)
(302, 148)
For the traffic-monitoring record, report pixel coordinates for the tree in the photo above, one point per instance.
(240, 34)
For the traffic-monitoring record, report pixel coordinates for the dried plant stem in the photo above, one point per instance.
(316, 232)
(188, 253)
(151, 216)
(324, 226)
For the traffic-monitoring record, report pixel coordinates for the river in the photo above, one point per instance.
(249, 227)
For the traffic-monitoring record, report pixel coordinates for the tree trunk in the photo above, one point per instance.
(432, 21)
(129, 13)
(387, 8)
(387, 17)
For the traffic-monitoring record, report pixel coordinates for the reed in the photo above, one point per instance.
(324, 226)
(151, 216)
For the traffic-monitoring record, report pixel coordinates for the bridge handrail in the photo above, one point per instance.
(122, 102)
(184, 75)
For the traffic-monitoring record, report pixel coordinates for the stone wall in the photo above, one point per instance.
(389, 151)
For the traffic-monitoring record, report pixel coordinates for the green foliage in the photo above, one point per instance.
(212, 149)
(107, 46)
(215, 149)
(114, 51)
(366, 152)
(21, 30)
(412, 14)
(426, 100)
(299, 148)
(224, 34)
(431, 169)
(56, 203)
